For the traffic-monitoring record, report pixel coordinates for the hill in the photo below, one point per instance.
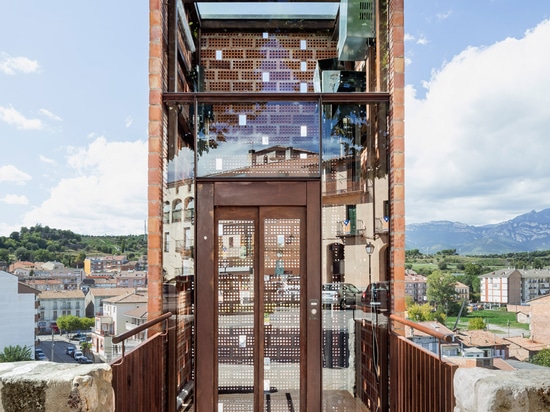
(525, 233)
(43, 244)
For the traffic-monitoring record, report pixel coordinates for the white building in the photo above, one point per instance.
(18, 308)
(55, 303)
(95, 297)
(535, 283)
(501, 287)
(120, 314)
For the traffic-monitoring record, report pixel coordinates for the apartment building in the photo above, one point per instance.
(120, 314)
(416, 287)
(535, 283)
(19, 315)
(501, 287)
(55, 303)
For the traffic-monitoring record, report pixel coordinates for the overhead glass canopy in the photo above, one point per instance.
(264, 10)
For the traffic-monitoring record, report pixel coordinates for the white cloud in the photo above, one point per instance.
(12, 117)
(129, 120)
(11, 65)
(45, 159)
(477, 144)
(15, 200)
(12, 174)
(444, 16)
(107, 195)
(408, 37)
(50, 115)
(422, 41)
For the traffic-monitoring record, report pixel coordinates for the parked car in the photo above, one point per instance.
(39, 355)
(77, 354)
(78, 336)
(84, 359)
(376, 297)
(341, 294)
(70, 350)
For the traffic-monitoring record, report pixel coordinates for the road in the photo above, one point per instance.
(59, 345)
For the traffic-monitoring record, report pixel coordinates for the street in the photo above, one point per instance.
(59, 345)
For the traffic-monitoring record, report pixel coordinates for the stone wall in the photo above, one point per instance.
(478, 389)
(55, 387)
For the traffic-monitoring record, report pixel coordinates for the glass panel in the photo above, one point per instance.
(239, 10)
(355, 193)
(178, 260)
(259, 140)
(282, 283)
(236, 333)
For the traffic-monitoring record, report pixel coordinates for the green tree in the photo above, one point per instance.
(16, 354)
(476, 324)
(72, 323)
(87, 323)
(542, 358)
(420, 313)
(441, 289)
(472, 269)
(22, 253)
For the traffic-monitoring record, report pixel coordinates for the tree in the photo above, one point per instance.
(441, 289)
(542, 358)
(420, 313)
(73, 323)
(23, 254)
(476, 324)
(16, 354)
(472, 269)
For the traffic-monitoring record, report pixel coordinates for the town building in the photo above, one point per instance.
(462, 292)
(96, 296)
(276, 153)
(131, 279)
(431, 343)
(540, 319)
(488, 343)
(121, 313)
(55, 303)
(105, 264)
(416, 287)
(501, 287)
(19, 316)
(535, 283)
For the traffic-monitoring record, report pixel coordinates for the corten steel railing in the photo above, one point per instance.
(372, 363)
(419, 379)
(140, 377)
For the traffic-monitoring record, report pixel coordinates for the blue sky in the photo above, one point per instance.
(74, 95)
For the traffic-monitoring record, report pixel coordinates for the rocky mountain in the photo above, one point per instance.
(524, 233)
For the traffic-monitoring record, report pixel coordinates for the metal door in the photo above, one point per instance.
(265, 330)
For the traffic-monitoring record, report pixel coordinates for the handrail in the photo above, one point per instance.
(137, 329)
(447, 337)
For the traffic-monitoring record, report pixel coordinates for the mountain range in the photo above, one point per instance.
(524, 233)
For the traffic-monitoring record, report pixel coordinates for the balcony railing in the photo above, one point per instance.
(420, 380)
(394, 373)
(153, 388)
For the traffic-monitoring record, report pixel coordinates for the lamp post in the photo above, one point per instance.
(369, 248)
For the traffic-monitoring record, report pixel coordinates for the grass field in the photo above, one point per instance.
(500, 318)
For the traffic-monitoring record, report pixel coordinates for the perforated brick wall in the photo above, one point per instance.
(262, 62)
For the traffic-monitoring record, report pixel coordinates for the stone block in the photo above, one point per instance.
(479, 389)
(55, 387)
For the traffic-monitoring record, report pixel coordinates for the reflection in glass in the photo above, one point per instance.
(259, 140)
(236, 294)
(282, 283)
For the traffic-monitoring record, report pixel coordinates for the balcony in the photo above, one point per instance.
(349, 228)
